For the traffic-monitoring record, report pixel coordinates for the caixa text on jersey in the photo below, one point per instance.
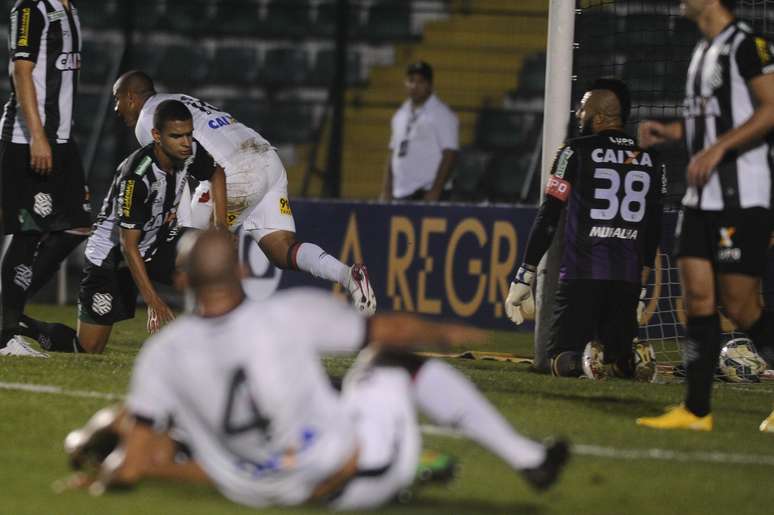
(68, 61)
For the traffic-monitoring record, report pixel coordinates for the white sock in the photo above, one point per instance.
(449, 399)
(314, 260)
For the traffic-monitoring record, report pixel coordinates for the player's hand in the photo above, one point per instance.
(41, 158)
(458, 334)
(703, 164)
(651, 132)
(432, 195)
(158, 315)
(520, 303)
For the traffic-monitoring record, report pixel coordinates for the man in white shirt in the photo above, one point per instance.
(424, 142)
(243, 382)
(256, 184)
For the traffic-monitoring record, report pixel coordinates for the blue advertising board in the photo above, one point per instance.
(450, 261)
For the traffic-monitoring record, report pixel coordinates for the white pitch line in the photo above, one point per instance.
(57, 390)
(580, 449)
(642, 454)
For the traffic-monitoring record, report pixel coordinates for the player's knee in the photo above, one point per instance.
(743, 315)
(699, 302)
(567, 364)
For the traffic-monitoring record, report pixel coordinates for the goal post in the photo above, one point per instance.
(556, 113)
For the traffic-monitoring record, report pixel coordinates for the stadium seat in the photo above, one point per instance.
(324, 67)
(145, 58)
(188, 17)
(235, 65)
(389, 20)
(100, 14)
(500, 129)
(249, 111)
(506, 175)
(236, 18)
(147, 14)
(532, 76)
(644, 31)
(284, 66)
(598, 26)
(325, 24)
(98, 59)
(287, 19)
(86, 113)
(468, 174)
(183, 65)
(289, 121)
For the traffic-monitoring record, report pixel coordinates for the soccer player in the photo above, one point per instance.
(259, 414)
(136, 226)
(257, 184)
(44, 198)
(612, 191)
(723, 232)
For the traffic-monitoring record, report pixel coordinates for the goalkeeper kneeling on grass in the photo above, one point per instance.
(612, 190)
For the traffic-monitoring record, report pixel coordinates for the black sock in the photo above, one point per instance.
(52, 336)
(52, 250)
(700, 354)
(17, 278)
(761, 334)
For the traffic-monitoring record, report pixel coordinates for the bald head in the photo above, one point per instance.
(604, 102)
(600, 109)
(135, 82)
(210, 260)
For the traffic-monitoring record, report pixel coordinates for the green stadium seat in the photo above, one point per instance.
(325, 25)
(389, 20)
(468, 174)
(288, 19)
(147, 15)
(532, 76)
(289, 121)
(506, 175)
(284, 66)
(188, 17)
(145, 58)
(644, 31)
(324, 68)
(98, 61)
(235, 65)
(100, 14)
(501, 129)
(249, 111)
(237, 18)
(183, 65)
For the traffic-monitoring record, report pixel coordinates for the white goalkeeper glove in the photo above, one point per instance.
(641, 304)
(520, 303)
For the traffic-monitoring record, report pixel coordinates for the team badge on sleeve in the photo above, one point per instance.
(558, 188)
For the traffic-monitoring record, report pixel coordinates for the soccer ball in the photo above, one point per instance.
(740, 363)
(592, 361)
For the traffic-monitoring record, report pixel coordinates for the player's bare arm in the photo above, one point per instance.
(218, 189)
(448, 158)
(158, 311)
(757, 126)
(387, 188)
(400, 331)
(41, 159)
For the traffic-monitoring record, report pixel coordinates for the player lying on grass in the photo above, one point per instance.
(612, 190)
(257, 184)
(242, 382)
(134, 237)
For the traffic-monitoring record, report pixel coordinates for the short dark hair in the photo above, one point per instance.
(170, 110)
(619, 89)
(728, 4)
(420, 68)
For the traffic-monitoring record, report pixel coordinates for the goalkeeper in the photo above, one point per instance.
(612, 190)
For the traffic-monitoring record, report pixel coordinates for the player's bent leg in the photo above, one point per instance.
(93, 338)
(449, 399)
(741, 299)
(17, 275)
(388, 437)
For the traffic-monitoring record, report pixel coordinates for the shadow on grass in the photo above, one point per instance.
(468, 507)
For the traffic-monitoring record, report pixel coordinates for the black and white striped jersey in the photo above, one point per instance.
(44, 32)
(718, 99)
(142, 196)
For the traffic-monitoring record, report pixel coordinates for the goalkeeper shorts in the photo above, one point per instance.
(736, 241)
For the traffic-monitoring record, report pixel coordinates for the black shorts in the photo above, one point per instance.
(37, 203)
(735, 241)
(588, 309)
(106, 296)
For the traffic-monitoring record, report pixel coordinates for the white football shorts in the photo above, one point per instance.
(388, 436)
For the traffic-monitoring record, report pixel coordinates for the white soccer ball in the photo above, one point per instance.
(740, 363)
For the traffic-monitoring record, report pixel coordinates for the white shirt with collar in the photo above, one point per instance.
(429, 129)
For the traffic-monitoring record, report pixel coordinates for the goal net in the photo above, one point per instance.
(648, 44)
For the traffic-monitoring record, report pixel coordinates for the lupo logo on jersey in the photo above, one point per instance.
(68, 61)
(264, 277)
(221, 121)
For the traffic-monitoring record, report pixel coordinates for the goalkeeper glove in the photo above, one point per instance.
(520, 304)
(641, 305)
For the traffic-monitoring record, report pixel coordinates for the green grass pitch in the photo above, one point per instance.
(618, 469)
